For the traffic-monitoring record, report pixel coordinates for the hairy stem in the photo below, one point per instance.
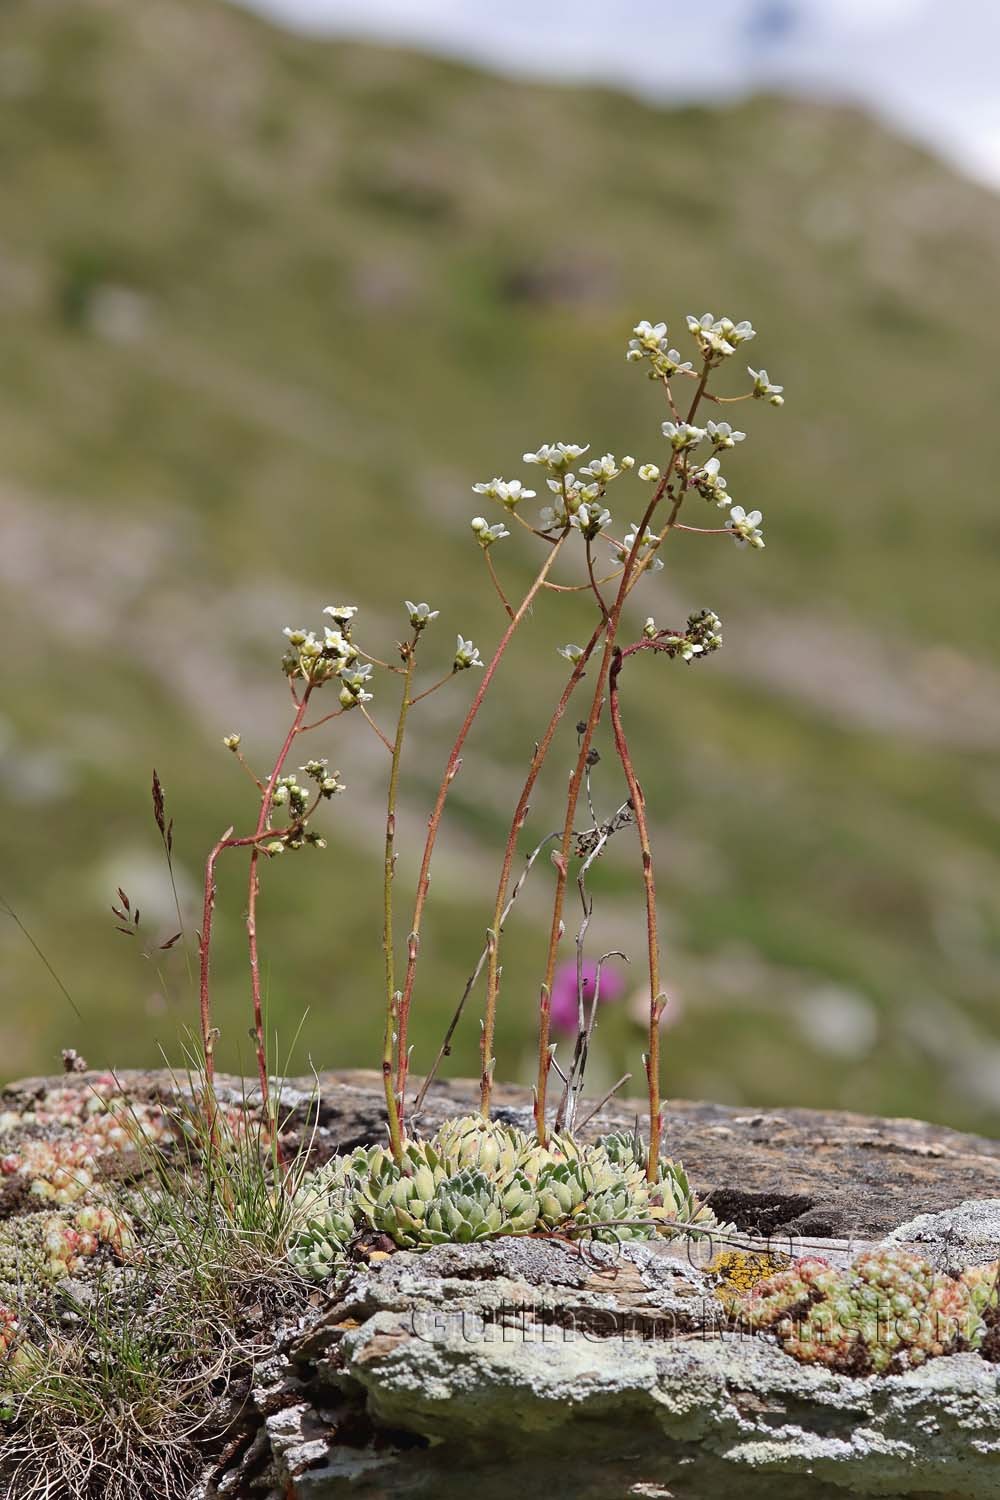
(204, 987)
(253, 887)
(657, 999)
(391, 997)
(434, 822)
(561, 860)
(445, 1048)
(517, 822)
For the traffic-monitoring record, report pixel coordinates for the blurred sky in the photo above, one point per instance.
(927, 66)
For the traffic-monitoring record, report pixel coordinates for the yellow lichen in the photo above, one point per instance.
(739, 1271)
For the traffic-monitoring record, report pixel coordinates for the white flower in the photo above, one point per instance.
(590, 520)
(420, 614)
(710, 484)
(510, 492)
(341, 614)
(762, 387)
(572, 653)
(552, 517)
(649, 629)
(722, 435)
(231, 741)
(649, 472)
(717, 338)
(745, 526)
(604, 469)
(335, 643)
(556, 456)
(628, 462)
(650, 342)
(650, 335)
(486, 535)
(466, 655)
(625, 547)
(352, 688)
(682, 435)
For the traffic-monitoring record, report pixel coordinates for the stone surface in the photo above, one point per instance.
(521, 1360)
(968, 1235)
(549, 1368)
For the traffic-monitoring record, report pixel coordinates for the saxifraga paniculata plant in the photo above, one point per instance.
(420, 1192)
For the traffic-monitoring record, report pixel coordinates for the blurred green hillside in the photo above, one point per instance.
(268, 308)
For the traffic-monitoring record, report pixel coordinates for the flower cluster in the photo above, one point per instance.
(889, 1311)
(578, 496)
(314, 661)
(650, 342)
(702, 636)
(717, 338)
(477, 1179)
(509, 492)
(556, 457)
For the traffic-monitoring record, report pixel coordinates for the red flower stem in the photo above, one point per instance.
(657, 999)
(517, 823)
(561, 860)
(254, 885)
(434, 822)
(389, 872)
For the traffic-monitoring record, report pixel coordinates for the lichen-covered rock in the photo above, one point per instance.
(968, 1235)
(528, 1353)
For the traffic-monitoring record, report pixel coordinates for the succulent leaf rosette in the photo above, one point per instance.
(475, 1180)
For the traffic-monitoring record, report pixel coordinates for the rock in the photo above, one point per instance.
(526, 1364)
(968, 1235)
(549, 1367)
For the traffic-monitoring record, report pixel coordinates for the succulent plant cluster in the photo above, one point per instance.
(477, 1179)
(73, 1131)
(69, 1241)
(889, 1311)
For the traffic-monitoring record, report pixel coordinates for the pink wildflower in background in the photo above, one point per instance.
(564, 995)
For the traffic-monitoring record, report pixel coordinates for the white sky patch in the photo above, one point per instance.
(926, 66)
(922, 65)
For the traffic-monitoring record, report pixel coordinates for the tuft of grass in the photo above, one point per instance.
(126, 1381)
